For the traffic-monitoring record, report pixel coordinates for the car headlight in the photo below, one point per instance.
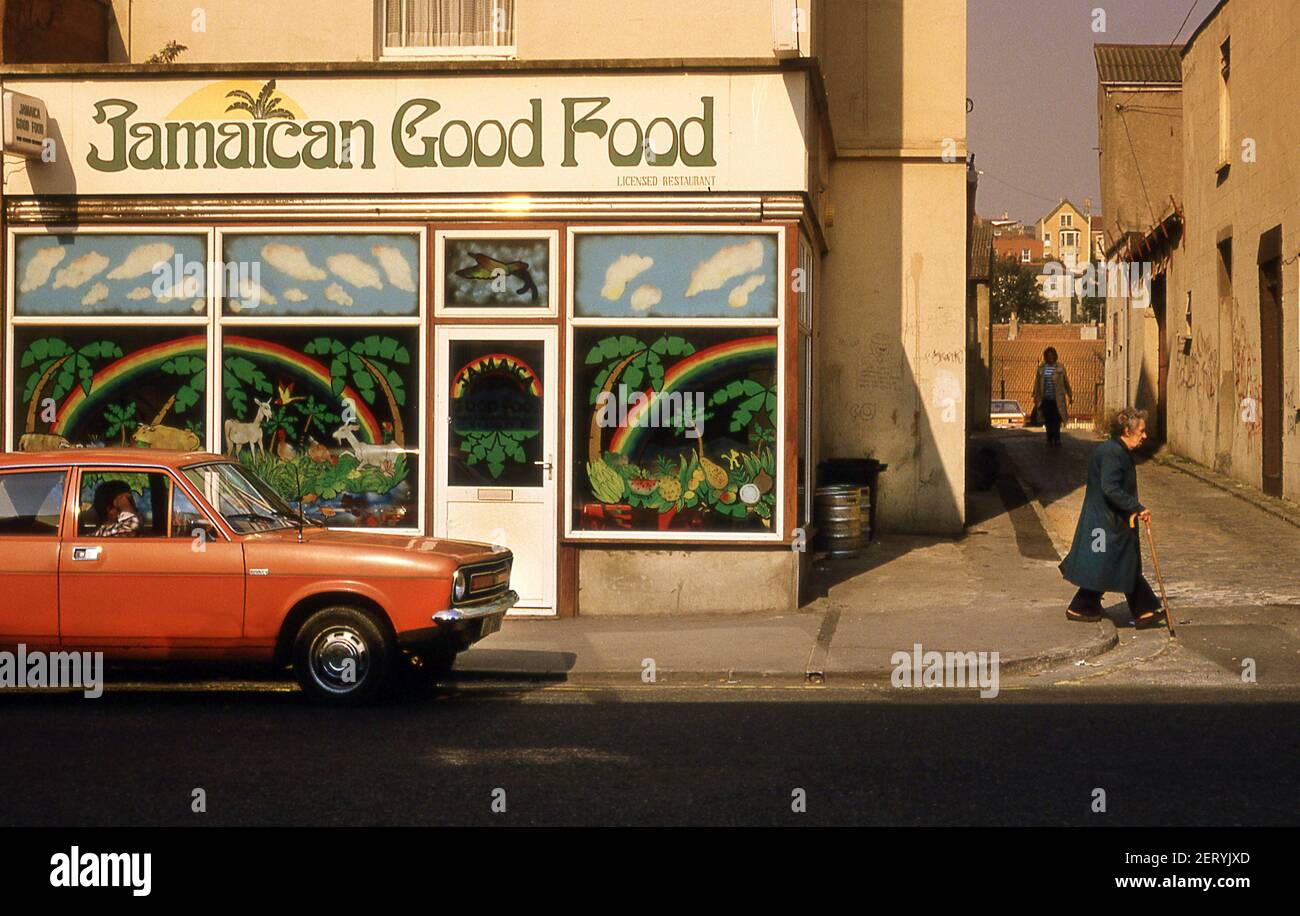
(459, 586)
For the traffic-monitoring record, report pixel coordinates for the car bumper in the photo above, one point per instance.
(462, 625)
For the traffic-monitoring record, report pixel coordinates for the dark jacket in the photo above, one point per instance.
(1108, 560)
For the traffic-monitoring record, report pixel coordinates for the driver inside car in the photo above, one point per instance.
(115, 510)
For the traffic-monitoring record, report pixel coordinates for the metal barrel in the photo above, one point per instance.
(839, 520)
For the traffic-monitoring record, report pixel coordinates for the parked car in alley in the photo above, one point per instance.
(146, 554)
(1006, 415)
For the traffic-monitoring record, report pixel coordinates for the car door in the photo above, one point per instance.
(177, 579)
(31, 507)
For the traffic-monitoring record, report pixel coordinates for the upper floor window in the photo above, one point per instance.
(471, 28)
(1047, 238)
(1024, 255)
(1067, 219)
(1069, 239)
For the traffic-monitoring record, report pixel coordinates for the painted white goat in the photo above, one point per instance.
(364, 452)
(249, 434)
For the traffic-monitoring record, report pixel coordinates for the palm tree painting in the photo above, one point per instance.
(261, 108)
(57, 367)
(368, 365)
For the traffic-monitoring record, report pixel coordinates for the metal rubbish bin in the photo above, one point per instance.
(862, 473)
(838, 513)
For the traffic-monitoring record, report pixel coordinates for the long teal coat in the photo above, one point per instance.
(1105, 555)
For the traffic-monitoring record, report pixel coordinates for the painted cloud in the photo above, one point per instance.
(96, 293)
(39, 267)
(731, 261)
(336, 293)
(141, 260)
(623, 271)
(293, 294)
(646, 297)
(354, 270)
(291, 260)
(140, 292)
(250, 295)
(395, 267)
(184, 288)
(81, 270)
(739, 296)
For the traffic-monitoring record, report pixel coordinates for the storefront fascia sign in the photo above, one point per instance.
(25, 125)
(512, 134)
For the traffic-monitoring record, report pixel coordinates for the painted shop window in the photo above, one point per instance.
(675, 430)
(495, 271)
(109, 386)
(110, 274)
(683, 275)
(328, 415)
(496, 413)
(345, 274)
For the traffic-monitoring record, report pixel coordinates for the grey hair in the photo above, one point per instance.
(1126, 420)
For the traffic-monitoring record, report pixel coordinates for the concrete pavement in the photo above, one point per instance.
(996, 589)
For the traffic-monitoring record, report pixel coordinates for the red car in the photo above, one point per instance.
(147, 554)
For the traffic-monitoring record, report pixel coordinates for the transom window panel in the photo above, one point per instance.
(110, 274)
(449, 24)
(344, 274)
(637, 275)
(328, 416)
(109, 386)
(496, 272)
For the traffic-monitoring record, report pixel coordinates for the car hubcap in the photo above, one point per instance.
(339, 660)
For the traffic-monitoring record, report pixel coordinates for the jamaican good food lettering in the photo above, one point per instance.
(420, 134)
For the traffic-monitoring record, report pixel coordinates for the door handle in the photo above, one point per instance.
(545, 464)
(86, 553)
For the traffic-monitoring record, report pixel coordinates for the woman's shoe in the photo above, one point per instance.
(1149, 620)
(1084, 616)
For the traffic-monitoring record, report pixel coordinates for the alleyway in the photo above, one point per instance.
(1232, 570)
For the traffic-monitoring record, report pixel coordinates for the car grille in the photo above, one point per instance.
(487, 580)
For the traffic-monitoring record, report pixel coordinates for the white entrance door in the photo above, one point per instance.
(496, 409)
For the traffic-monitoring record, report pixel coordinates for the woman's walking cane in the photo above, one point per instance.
(1155, 559)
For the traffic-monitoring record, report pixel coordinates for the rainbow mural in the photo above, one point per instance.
(120, 373)
(512, 365)
(727, 355)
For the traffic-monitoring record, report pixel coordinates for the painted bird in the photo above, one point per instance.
(489, 268)
(286, 394)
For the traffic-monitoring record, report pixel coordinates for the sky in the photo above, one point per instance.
(1031, 75)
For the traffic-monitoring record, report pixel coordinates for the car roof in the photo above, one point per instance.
(143, 457)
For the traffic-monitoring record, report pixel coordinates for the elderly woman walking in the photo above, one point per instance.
(1051, 388)
(1106, 555)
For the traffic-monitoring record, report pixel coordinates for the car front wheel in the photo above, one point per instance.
(342, 655)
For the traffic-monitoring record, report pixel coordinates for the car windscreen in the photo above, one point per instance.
(244, 501)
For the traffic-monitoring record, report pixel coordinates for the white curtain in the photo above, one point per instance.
(450, 23)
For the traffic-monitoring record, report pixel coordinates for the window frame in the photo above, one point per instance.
(249, 324)
(14, 321)
(110, 468)
(65, 470)
(407, 52)
(439, 260)
(777, 324)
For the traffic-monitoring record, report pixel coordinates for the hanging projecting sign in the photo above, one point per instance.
(25, 128)
(648, 132)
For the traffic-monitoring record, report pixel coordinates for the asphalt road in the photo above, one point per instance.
(655, 755)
